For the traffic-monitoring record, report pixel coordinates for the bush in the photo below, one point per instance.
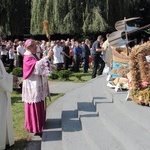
(64, 74)
(7, 69)
(78, 76)
(17, 72)
(54, 75)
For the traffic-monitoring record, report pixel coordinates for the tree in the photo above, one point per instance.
(12, 16)
(68, 16)
(4, 19)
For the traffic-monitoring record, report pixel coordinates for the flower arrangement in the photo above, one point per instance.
(140, 74)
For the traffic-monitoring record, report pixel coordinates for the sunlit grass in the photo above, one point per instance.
(84, 76)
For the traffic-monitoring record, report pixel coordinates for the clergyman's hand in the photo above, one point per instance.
(50, 53)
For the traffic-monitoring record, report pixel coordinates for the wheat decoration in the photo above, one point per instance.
(46, 28)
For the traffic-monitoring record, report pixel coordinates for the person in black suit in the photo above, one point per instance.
(86, 54)
(96, 55)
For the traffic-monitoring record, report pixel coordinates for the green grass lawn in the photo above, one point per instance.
(21, 135)
(84, 77)
(73, 76)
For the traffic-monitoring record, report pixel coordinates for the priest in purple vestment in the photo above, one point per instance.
(35, 88)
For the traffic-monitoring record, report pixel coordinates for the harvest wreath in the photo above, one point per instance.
(120, 55)
(140, 74)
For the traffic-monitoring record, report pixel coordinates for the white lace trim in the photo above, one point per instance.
(42, 67)
(34, 89)
(34, 95)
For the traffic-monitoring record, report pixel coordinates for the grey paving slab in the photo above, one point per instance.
(34, 145)
(137, 112)
(72, 136)
(98, 136)
(62, 87)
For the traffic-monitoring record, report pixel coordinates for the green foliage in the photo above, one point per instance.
(66, 16)
(64, 74)
(17, 72)
(54, 75)
(94, 21)
(37, 16)
(14, 15)
(78, 76)
(71, 17)
(7, 69)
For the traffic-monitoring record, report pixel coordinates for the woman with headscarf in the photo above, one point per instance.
(35, 87)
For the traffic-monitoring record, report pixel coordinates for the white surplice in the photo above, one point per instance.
(6, 125)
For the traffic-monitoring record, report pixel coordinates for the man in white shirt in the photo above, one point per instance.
(58, 56)
(108, 52)
(43, 45)
(20, 53)
(11, 58)
(38, 49)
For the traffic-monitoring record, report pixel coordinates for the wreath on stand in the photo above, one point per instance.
(140, 74)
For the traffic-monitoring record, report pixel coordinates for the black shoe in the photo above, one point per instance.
(100, 74)
(93, 77)
(38, 134)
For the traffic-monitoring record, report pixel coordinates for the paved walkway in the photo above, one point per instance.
(62, 87)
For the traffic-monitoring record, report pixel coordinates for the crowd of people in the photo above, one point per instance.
(67, 53)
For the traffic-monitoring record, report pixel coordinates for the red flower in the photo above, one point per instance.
(144, 85)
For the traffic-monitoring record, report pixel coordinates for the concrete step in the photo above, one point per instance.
(84, 104)
(95, 132)
(72, 135)
(52, 134)
(92, 132)
(80, 106)
(137, 112)
(98, 136)
(131, 134)
(140, 113)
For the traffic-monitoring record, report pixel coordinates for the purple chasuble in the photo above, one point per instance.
(28, 65)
